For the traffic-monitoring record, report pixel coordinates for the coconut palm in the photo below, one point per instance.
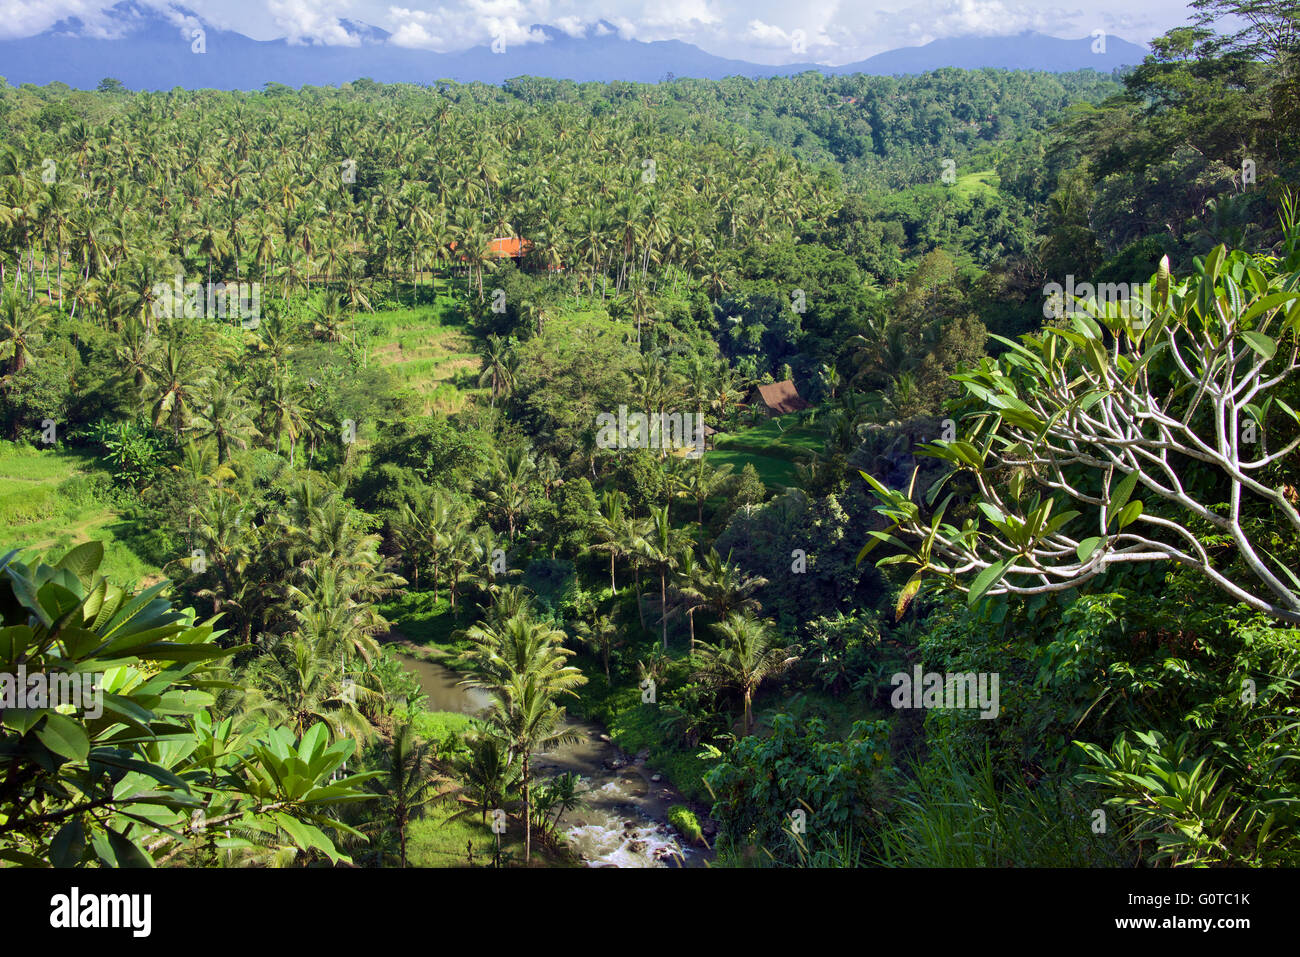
(497, 370)
(524, 665)
(18, 332)
(744, 657)
(610, 531)
(225, 416)
(175, 379)
(660, 546)
(409, 784)
(725, 588)
(701, 481)
(488, 775)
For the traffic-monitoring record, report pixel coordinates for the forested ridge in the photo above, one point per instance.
(302, 391)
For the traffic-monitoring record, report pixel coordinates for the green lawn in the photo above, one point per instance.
(435, 841)
(772, 447)
(969, 184)
(772, 471)
(53, 499)
(781, 438)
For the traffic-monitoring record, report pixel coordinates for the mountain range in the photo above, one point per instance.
(156, 54)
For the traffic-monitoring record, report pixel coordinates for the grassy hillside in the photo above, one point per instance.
(52, 499)
(984, 181)
(429, 350)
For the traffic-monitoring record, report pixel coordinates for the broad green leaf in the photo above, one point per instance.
(984, 581)
(1120, 496)
(1261, 343)
(1129, 514)
(1087, 547)
(64, 737)
(84, 560)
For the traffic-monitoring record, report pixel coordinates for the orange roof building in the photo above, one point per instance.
(507, 247)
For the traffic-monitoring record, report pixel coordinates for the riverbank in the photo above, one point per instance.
(623, 818)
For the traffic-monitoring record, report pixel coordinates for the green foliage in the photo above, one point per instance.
(1193, 813)
(141, 771)
(837, 785)
(684, 820)
(952, 813)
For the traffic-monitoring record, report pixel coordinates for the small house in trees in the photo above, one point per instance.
(509, 247)
(779, 398)
(506, 247)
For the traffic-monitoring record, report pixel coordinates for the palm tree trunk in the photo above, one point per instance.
(663, 604)
(528, 820)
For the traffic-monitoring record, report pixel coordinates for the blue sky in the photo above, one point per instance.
(762, 31)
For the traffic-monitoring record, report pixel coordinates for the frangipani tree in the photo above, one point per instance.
(1148, 430)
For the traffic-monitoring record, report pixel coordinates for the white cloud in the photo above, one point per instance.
(833, 31)
(474, 23)
(313, 21)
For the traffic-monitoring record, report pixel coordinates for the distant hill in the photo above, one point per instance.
(1026, 51)
(155, 54)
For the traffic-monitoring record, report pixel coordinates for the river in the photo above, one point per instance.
(623, 820)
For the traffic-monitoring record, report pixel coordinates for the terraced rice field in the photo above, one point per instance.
(429, 350)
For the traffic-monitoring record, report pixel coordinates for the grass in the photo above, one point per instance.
(772, 471)
(781, 437)
(53, 499)
(427, 623)
(983, 181)
(772, 447)
(428, 349)
(436, 841)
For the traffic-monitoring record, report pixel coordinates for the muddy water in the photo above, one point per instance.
(443, 688)
(623, 818)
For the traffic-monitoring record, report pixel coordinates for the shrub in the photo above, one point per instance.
(683, 819)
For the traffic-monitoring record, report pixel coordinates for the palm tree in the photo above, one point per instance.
(175, 380)
(306, 685)
(224, 416)
(424, 527)
(610, 531)
(524, 665)
(601, 634)
(328, 318)
(18, 319)
(702, 481)
(508, 491)
(660, 547)
(743, 659)
(488, 775)
(524, 712)
(687, 573)
(725, 588)
(409, 784)
(497, 369)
